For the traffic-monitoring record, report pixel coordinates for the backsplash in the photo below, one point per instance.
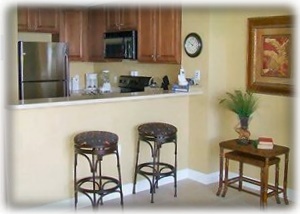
(123, 68)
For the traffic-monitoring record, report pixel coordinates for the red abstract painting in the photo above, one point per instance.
(275, 56)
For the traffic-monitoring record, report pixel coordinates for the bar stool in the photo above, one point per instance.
(156, 135)
(93, 146)
(254, 161)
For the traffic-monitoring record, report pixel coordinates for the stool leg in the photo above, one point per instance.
(93, 169)
(226, 177)
(276, 182)
(155, 172)
(120, 179)
(241, 168)
(175, 168)
(100, 178)
(136, 165)
(75, 180)
(157, 168)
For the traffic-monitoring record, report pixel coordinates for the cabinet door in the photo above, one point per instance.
(128, 18)
(146, 35)
(168, 35)
(25, 19)
(112, 16)
(47, 20)
(73, 31)
(96, 27)
(38, 20)
(124, 18)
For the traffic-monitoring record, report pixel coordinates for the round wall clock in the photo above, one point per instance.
(193, 44)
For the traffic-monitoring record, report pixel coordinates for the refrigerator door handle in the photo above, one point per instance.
(21, 75)
(67, 75)
(21, 55)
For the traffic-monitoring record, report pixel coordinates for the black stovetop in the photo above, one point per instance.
(133, 83)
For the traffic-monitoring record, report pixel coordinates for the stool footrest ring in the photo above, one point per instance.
(108, 185)
(160, 169)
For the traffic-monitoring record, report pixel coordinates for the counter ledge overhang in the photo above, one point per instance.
(101, 98)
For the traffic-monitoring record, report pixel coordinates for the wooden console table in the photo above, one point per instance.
(263, 153)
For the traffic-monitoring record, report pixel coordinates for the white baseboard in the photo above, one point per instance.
(142, 185)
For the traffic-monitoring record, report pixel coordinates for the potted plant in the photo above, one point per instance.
(244, 104)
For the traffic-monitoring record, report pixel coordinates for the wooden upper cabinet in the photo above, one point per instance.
(47, 20)
(129, 18)
(96, 28)
(112, 19)
(121, 18)
(38, 19)
(24, 19)
(168, 35)
(73, 31)
(146, 35)
(159, 35)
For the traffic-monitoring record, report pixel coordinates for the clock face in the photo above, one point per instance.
(193, 45)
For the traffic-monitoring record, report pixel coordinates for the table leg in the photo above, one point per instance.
(241, 175)
(277, 183)
(221, 171)
(226, 177)
(264, 184)
(286, 163)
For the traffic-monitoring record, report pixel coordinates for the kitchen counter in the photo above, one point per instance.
(79, 99)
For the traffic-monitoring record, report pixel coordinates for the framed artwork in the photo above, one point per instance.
(270, 54)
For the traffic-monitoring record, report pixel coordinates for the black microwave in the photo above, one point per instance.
(120, 45)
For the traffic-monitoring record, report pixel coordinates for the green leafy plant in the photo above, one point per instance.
(241, 103)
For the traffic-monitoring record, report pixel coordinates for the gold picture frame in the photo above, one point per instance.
(269, 65)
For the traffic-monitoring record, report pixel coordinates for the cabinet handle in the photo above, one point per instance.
(118, 26)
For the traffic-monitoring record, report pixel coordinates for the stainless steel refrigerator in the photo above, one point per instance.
(43, 70)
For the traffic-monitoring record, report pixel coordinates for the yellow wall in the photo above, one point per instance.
(223, 66)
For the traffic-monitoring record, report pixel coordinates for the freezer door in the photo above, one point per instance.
(43, 61)
(33, 90)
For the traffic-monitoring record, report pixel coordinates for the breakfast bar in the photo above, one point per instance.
(46, 142)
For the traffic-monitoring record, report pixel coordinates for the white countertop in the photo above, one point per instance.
(100, 98)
